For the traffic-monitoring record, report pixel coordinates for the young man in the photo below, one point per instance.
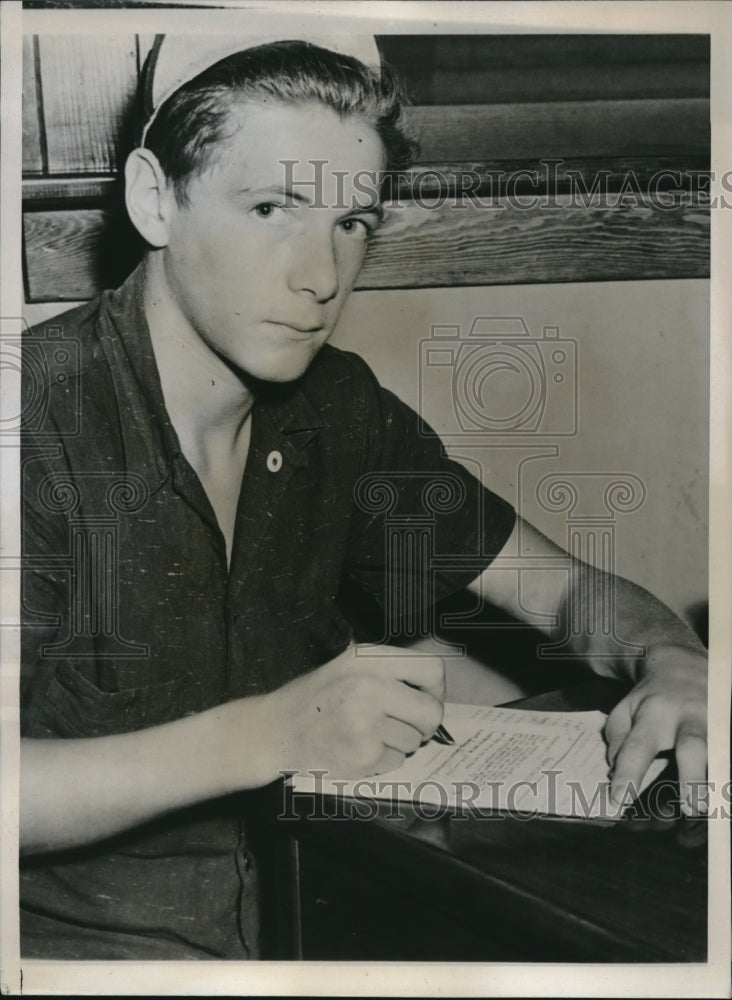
(197, 644)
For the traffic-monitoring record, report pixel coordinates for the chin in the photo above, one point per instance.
(280, 369)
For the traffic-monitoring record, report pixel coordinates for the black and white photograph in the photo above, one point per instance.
(364, 557)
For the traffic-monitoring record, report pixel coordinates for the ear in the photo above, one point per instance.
(148, 196)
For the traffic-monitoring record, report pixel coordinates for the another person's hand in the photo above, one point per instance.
(362, 713)
(666, 710)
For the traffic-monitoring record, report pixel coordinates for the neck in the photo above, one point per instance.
(205, 398)
(208, 404)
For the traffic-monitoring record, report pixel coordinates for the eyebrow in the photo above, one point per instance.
(376, 210)
(274, 189)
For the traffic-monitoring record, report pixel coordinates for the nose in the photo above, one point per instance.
(314, 268)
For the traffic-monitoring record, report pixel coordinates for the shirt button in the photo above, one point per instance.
(274, 461)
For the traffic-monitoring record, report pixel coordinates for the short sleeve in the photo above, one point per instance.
(423, 526)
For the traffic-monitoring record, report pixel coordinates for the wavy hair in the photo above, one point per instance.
(194, 120)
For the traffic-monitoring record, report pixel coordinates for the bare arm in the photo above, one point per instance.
(359, 714)
(77, 791)
(666, 709)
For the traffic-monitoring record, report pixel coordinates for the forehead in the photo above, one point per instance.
(262, 135)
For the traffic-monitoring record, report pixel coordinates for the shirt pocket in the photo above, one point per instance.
(75, 707)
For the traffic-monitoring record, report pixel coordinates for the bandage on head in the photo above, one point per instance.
(175, 60)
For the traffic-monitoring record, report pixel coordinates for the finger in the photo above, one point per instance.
(633, 760)
(400, 736)
(414, 707)
(617, 727)
(390, 760)
(424, 672)
(691, 760)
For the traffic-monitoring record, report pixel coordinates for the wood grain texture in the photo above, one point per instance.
(503, 889)
(497, 136)
(568, 83)
(89, 192)
(419, 247)
(484, 179)
(464, 69)
(68, 253)
(32, 150)
(88, 82)
(452, 133)
(489, 179)
(62, 254)
(479, 97)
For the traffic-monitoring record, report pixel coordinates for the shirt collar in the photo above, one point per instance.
(282, 414)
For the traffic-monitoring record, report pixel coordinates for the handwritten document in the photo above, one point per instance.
(544, 763)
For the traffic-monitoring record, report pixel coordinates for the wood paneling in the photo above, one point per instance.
(419, 247)
(523, 178)
(507, 245)
(88, 83)
(595, 108)
(563, 129)
(501, 135)
(32, 149)
(62, 254)
(74, 124)
(429, 183)
(65, 191)
(570, 83)
(463, 69)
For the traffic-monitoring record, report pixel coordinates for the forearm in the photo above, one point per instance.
(616, 625)
(591, 615)
(355, 715)
(622, 631)
(78, 791)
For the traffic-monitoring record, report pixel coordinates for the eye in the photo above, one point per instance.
(266, 209)
(356, 227)
(276, 214)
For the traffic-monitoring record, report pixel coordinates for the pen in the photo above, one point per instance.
(441, 735)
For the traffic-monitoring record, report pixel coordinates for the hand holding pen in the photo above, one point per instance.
(441, 735)
(361, 713)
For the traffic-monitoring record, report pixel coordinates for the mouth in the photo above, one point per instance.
(298, 330)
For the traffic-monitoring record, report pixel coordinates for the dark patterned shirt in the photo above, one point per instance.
(133, 618)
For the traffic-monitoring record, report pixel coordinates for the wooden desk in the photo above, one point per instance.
(499, 889)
